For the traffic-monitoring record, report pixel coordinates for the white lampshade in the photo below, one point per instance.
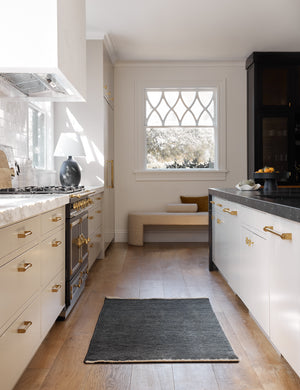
(69, 144)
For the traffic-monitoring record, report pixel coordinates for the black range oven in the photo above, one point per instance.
(77, 239)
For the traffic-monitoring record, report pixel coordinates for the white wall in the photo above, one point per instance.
(86, 119)
(133, 195)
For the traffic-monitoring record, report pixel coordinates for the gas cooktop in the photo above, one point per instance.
(41, 190)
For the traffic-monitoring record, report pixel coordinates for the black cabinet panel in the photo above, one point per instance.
(273, 88)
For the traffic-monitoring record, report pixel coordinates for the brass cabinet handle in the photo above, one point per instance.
(56, 287)
(98, 211)
(91, 217)
(219, 204)
(56, 243)
(283, 236)
(227, 210)
(25, 234)
(98, 198)
(212, 202)
(219, 221)
(91, 245)
(23, 328)
(111, 162)
(248, 241)
(56, 219)
(24, 267)
(98, 235)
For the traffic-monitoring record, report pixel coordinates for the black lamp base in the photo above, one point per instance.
(70, 174)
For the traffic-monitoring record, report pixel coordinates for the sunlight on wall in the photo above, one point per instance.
(89, 156)
(75, 125)
(99, 155)
(100, 180)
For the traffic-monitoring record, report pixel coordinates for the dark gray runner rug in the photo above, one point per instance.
(158, 330)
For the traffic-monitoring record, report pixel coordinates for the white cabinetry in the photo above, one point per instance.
(95, 122)
(226, 221)
(32, 287)
(96, 244)
(258, 254)
(253, 269)
(285, 290)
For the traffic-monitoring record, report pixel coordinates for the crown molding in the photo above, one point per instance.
(96, 35)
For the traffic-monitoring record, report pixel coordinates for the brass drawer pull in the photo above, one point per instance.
(24, 267)
(56, 243)
(98, 235)
(219, 221)
(25, 234)
(212, 202)
(24, 326)
(227, 210)
(98, 198)
(98, 211)
(56, 219)
(91, 245)
(283, 236)
(56, 287)
(219, 204)
(91, 217)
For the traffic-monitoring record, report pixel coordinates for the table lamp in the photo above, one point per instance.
(69, 144)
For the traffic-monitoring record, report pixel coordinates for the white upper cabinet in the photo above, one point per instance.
(43, 50)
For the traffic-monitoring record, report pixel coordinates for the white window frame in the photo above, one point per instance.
(216, 173)
(48, 143)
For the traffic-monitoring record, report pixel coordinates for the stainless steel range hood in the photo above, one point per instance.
(43, 54)
(35, 84)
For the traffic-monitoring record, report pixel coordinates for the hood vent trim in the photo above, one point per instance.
(35, 84)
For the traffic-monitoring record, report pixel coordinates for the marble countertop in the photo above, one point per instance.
(284, 202)
(14, 208)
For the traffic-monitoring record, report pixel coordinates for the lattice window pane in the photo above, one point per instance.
(180, 128)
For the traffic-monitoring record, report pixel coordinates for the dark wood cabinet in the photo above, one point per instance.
(273, 109)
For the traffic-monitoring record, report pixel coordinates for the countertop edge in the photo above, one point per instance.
(247, 198)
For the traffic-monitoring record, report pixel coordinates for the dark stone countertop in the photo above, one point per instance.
(284, 202)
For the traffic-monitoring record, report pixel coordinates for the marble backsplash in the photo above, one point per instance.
(14, 143)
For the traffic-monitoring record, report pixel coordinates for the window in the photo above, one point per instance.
(180, 128)
(37, 135)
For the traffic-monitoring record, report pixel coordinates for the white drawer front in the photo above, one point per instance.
(17, 349)
(19, 234)
(53, 258)
(95, 247)
(52, 301)
(19, 280)
(53, 219)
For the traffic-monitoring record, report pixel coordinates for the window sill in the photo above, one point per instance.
(176, 175)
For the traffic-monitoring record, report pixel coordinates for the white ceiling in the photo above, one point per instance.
(191, 30)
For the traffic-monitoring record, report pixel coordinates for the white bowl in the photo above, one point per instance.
(246, 187)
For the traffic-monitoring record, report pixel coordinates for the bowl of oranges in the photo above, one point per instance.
(269, 175)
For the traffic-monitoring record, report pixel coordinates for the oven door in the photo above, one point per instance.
(77, 242)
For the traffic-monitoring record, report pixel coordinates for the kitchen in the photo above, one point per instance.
(156, 269)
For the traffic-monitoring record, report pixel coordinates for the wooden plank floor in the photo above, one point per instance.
(156, 270)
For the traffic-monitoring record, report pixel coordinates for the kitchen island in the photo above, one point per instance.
(255, 244)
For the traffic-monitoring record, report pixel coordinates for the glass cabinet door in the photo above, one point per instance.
(274, 86)
(275, 143)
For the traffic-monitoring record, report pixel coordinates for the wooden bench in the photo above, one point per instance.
(137, 221)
